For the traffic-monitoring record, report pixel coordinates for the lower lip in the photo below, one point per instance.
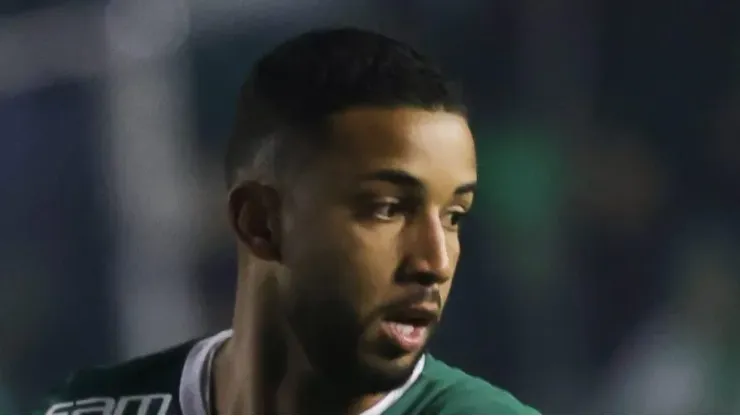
(410, 338)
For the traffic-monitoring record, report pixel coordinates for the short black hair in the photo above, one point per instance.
(300, 83)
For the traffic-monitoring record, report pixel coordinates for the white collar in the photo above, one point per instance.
(197, 369)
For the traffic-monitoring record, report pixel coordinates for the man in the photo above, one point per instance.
(349, 170)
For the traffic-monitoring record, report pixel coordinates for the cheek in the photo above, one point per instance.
(453, 251)
(309, 252)
(341, 259)
(374, 258)
(453, 248)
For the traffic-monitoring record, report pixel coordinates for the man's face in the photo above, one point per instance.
(370, 239)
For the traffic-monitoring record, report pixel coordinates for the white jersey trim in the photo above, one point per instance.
(197, 366)
(196, 378)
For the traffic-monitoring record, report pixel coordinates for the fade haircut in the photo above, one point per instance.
(286, 101)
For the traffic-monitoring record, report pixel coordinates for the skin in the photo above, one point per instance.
(371, 225)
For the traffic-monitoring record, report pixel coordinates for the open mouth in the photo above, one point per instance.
(409, 328)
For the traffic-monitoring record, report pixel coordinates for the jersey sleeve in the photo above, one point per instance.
(477, 397)
(100, 392)
(148, 384)
(60, 395)
(83, 392)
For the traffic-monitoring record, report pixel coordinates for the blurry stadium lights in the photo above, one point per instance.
(39, 47)
(153, 189)
(228, 17)
(142, 29)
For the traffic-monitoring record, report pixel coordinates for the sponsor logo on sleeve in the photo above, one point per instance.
(144, 404)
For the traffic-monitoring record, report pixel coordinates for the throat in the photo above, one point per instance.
(313, 396)
(279, 385)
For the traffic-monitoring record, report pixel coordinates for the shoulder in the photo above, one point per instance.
(147, 384)
(452, 391)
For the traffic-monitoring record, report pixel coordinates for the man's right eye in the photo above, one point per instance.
(387, 210)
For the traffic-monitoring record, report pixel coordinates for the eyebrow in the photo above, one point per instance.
(466, 188)
(404, 179)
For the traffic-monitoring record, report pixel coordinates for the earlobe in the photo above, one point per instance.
(254, 215)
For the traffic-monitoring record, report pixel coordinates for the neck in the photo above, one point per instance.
(262, 369)
(280, 384)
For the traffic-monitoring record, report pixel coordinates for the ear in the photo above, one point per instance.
(254, 215)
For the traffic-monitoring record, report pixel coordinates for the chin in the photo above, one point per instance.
(379, 374)
(404, 363)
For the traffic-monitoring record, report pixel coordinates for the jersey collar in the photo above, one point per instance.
(195, 380)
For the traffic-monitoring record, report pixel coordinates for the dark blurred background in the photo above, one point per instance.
(600, 269)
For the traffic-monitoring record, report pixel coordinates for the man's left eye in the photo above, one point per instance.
(452, 219)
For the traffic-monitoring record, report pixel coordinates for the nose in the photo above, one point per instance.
(428, 251)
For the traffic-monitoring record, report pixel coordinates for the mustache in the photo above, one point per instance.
(414, 295)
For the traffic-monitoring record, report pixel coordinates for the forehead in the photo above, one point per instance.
(435, 146)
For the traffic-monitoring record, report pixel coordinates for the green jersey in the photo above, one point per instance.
(177, 382)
